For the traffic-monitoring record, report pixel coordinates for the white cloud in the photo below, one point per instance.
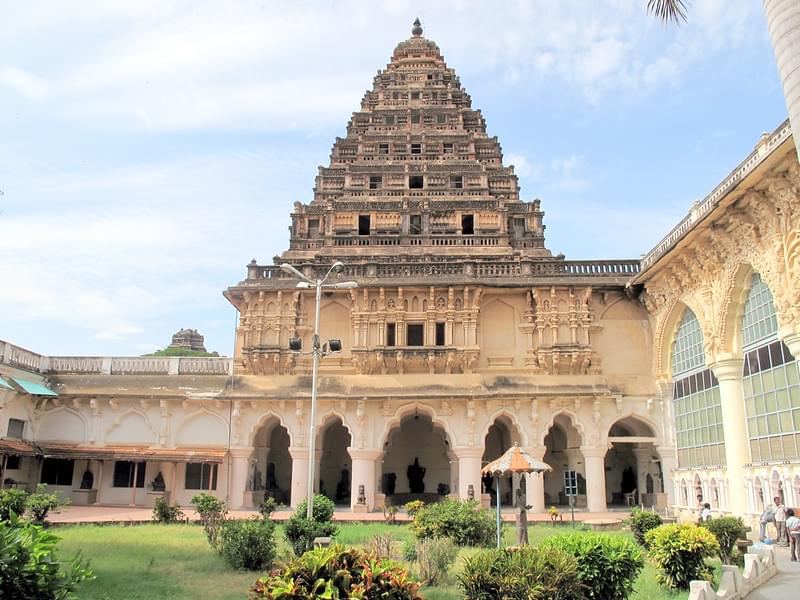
(23, 82)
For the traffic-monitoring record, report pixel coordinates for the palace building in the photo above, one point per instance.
(656, 381)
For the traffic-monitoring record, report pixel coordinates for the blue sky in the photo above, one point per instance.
(149, 150)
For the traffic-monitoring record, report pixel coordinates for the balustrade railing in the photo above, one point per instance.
(21, 358)
(468, 269)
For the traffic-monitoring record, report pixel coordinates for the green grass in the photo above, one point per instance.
(174, 562)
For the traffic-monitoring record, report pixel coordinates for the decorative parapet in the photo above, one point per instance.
(734, 585)
(467, 270)
(20, 358)
(763, 149)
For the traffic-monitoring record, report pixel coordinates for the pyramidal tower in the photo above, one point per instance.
(417, 204)
(416, 178)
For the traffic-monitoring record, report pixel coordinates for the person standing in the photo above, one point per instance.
(793, 529)
(780, 522)
(768, 516)
(522, 517)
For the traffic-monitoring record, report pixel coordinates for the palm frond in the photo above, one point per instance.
(668, 10)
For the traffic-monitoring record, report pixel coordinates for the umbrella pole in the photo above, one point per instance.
(497, 492)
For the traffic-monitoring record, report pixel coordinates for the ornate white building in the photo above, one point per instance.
(656, 381)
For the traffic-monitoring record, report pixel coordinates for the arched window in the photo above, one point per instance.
(771, 381)
(695, 392)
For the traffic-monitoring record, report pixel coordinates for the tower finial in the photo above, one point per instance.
(416, 31)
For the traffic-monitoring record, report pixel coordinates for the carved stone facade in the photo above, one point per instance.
(464, 336)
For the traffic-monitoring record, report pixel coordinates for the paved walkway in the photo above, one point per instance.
(127, 514)
(785, 585)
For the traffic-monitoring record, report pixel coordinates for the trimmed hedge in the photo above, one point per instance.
(300, 532)
(679, 551)
(607, 565)
(466, 523)
(248, 544)
(522, 574)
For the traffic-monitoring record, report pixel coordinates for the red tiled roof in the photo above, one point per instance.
(17, 447)
(214, 455)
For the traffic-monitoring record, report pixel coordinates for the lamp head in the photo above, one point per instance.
(303, 285)
(287, 268)
(295, 344)
(337, 267)
(345, 285)
(334, 345)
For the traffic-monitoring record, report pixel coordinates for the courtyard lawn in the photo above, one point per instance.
(174, 562)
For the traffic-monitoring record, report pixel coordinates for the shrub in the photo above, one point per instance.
(607, 565)
(413, 507)
(164, 512)
(433, 558)
(466, 523)
(525, 574)
(679, 553)
(267, 506)
(30, 566)
(247, 543)
(727, 530)
(12, 500)
(337, 572)
(212, 513)
(40, 503)
(640, 521)
(300, 532)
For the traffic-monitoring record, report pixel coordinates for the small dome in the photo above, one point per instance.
(416, 30)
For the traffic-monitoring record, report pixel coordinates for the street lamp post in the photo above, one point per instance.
(317, 351)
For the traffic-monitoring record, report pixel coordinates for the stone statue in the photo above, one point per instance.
(158, 484)
(416, 476)
(343, 487)
(258, 484)
(487, 480)
(389, 483)
(362, 496)
(470, 492)
(522, 517)
(87, 480)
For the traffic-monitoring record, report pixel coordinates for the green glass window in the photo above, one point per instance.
(770, 381)
(695, 393)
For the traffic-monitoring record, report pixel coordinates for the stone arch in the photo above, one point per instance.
(62, 424)
(664, 339)
(122, 436)
(562, 441)
(521, 436)
(327, 418)
(195, 430)
(714, 499)
(776, 486)
(758, 490)
(697, 487)
(263, 420)
(732, 309)
(573, 420)
(410, 409)
(270, 467)
(334, 476)
(418, 443)
(636, 425)
(501, 433)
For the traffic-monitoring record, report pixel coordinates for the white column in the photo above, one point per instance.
(644, 456)
(240, 461)
(594, 459)
(299, 489)
(669, 462)
(469, 471)
(534, 486)
(728, 371)
(451, 456)
(364, 460)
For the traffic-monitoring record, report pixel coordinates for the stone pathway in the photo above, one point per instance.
(785, 585)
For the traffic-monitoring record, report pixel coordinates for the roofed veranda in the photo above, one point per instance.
(658, 381)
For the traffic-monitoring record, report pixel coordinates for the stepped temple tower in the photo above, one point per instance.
(659, 381)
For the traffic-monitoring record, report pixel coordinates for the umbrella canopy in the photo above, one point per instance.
(515, 460)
